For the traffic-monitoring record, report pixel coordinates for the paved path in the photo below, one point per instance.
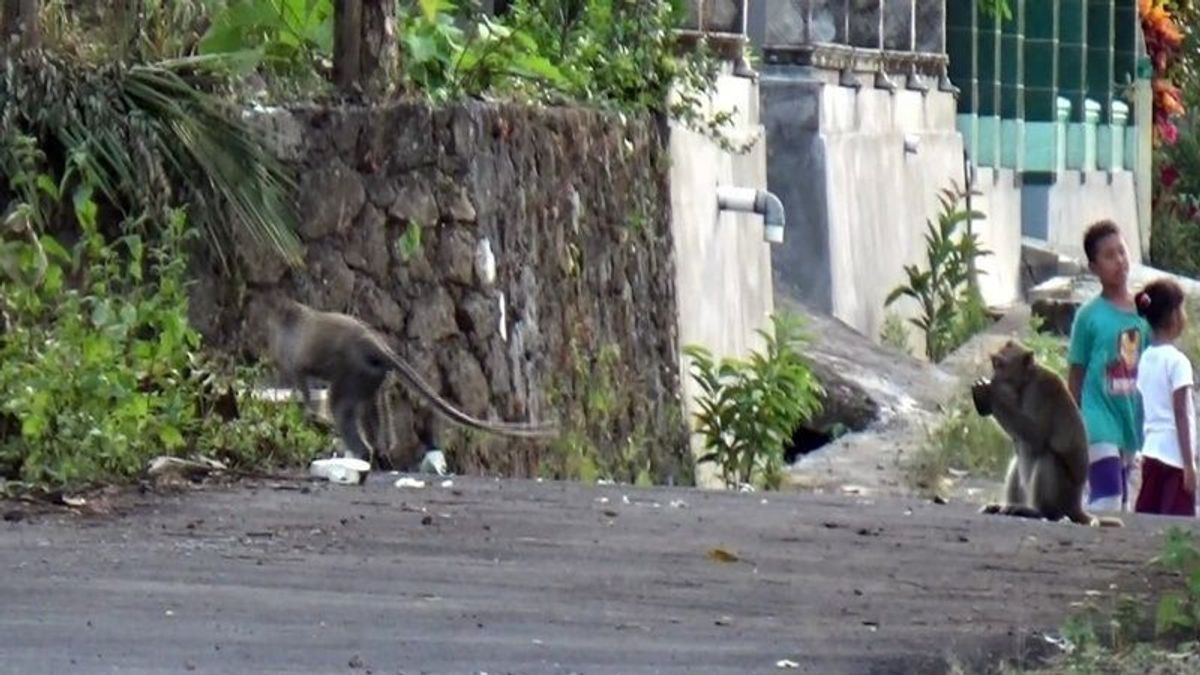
(526, 577)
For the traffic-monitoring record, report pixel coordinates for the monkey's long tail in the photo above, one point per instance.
(446, 408)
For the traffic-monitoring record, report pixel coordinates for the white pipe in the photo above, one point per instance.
(753, 200)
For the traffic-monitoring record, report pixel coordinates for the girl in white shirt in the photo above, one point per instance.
(1164, 378)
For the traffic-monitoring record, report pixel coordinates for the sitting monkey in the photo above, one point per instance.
(1048, 473)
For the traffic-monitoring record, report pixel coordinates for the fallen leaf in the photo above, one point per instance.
(721, 555)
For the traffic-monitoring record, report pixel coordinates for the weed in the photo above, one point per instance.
(409, 243)
(961, 441)
(947, 293)
(1116, 641)
(894, 333)
(749, 408)
(1048, 349)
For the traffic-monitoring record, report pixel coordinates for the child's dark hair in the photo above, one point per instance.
(1095, 233)
(1158, 301)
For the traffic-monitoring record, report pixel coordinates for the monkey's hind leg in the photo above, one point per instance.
(347, 409)
(1014, 495)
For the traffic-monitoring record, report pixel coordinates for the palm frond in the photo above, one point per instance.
(150, 134)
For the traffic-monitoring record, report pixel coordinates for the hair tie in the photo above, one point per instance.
(1143, 299)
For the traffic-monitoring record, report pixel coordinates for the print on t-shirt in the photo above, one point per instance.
(1122, 373)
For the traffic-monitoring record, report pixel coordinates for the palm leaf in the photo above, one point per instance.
(137, 132)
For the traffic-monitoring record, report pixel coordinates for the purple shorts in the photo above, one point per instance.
(1108, 480)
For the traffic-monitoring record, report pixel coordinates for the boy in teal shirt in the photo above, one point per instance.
(1107, 340)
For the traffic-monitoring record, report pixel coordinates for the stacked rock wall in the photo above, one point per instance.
(520, 258)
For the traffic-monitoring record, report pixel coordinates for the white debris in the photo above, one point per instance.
(434, 461)
(485, 262)
(343, 470)
(409, 482)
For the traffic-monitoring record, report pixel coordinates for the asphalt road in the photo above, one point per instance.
(525, 577)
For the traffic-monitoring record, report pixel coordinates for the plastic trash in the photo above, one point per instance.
(434, 461)
(343, 470)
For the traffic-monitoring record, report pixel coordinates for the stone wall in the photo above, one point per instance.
(578, 323)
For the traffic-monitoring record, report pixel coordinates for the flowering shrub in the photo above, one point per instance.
(1163, 41)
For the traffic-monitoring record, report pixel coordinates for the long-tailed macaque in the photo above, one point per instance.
(354, 359)
(1048, 472)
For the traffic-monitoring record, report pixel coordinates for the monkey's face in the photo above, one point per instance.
(1011, 364)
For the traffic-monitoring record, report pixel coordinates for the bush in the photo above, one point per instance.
(100, 369)
(750, 408)
(612, 54)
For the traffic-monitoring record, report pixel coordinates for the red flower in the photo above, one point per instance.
(1167, 131)
(1168, 176)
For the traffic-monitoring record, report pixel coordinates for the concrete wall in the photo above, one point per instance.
(858, 202)
(1059, 213)
(722, 263)
(1000, 231)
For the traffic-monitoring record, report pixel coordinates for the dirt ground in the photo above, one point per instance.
(504, 576)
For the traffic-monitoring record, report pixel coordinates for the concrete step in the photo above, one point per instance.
(1056, 299)
(1040, 262)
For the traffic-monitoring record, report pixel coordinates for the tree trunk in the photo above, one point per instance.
(20, 24)
(380, 53)
(347, 44)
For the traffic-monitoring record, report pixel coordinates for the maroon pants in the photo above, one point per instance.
(1162, 490)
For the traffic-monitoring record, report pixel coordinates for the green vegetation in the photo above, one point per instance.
(1172, 30)
(589, 449)
(750, 408)
(894, 333)
(1128, 635)
(145, 137)
(947, 292)
(613, 54)
(100, 369)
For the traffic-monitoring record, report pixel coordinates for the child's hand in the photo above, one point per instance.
(1189, 479)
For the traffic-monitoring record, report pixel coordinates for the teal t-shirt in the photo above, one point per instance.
(1108, 342)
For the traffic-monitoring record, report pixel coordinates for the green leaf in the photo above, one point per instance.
(171, 438)
(47, 185)
(1171, 613)
(86, 210)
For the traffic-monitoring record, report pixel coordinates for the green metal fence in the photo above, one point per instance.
(1050, 88)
